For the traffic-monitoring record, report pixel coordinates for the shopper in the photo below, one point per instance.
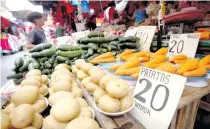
(59, 30)
(36, 35)
(140, 13)
(110, 13)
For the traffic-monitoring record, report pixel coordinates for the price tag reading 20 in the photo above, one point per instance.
(156, 96)
(183, 43)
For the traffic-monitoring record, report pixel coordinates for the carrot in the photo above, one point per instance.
(144, 59)
(141, 54)
(190, 65)
(129, 71)
(162, 51)
(135, 75)
(115, 67)
(158, 59)
(149, 65)
(126, 52)
(199, 72)
(133, 62)
(167, 67)
(104, 56)
(107, 60)
(204, 61)
(180, 61)
(127, 57)
(178, 57)
(207, 67)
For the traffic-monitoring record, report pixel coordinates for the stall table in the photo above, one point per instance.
(183, 118)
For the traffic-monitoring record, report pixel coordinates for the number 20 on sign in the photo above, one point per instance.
(156, 96)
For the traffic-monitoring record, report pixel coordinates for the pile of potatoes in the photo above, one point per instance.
(111, 93)
(63, 80)
(21, 117)
(35, 78)
(69, 112)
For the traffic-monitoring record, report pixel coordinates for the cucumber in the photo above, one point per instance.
(43, 59)
(103, 50)
(46, 71)
(65, 47)
(35, 64)
(82, 46)
(41, 68)
(18, 81)
(84, 40)
(60, 59)
(48, 52)
(19, 62)
(70, 53)
(55, 63)
(93, 56)
(93, 46)
(40, 47)
(15, 69)
(99, 40)
(105, 45)
(48, 65)
(83, 56)
(114, 43)
(25, 65)
(15, 76)
(30, 66)
(51, 60)
(111, 47)
(90, 51)
(95, 34)
(128, 39)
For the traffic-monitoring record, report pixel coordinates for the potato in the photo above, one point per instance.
(59, 95)
(26, 95)
(43, 90)
(92, 69)
(109, 104)
(86, 112)
(82, 102)
(39, 105)
(60, 72)
(77, 92)
(31, 82)
(62, 66)
(86, 67)
(82, 123)
(38, 121)
(97, 75)
(74, 69)
(30, 127)
(50, 91)
(22, 116)
(91, 87)
(38, 78)
(127, 101)
(117, 88)
(5, 120)
(79, 63)
(81, 75)
(105, 79)
(61, 85)
(51, 123)
(63, 77)
(34, 72)
(44, 79)
(98, 93)
(85, 81)
(74, 84)
(41, 97)
(9, 108)
(65, 109)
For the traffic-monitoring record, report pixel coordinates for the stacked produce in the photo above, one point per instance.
(28, 102)
(96, 44)
(110, 92)
(103, 58)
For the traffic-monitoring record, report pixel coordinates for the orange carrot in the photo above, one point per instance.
(129, 71)
(204, 61)
(167, 67)
(178, 57)
(190, 65)
(115, 67)
(104, 56)
(199, 72)
(135, 75)
(126, 52)
(149, 65)
(107, 60)
(127, 57)
(133, 62)
(158, 59)
(207, 67)
(144, 59)
(180, 61)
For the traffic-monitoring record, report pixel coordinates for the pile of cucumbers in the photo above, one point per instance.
(44, 57)
(96, 43)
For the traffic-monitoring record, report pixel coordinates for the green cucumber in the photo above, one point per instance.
(70, 53)
(30, 66)
(15, 76)
(55, 63)
(18, 81)
(93, 46)
(25, 65)
(84, 40)
(103, 50)
(82, 46)
(43, 59)
(111, 47)
(60, 59)
(95, 34)
(46, 71)
(40, 47)
(19, 62)
(48, 52)
(99, 40)
(93, 56)
(105, 45)
(65, 47)
(90, 51)
(35, 64)
(15, 69)
(48, 65)
(128, 39)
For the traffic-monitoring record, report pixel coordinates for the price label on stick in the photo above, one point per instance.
(183, 44)
(157, 95)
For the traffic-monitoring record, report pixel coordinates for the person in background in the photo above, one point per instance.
(59, 30)
(110, 13)
(36, 35)
(140, 13)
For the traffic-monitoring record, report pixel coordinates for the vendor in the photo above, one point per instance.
(140, 13)
(36, 35)
(110, 13)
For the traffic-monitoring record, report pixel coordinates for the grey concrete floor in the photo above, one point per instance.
(7, 63)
